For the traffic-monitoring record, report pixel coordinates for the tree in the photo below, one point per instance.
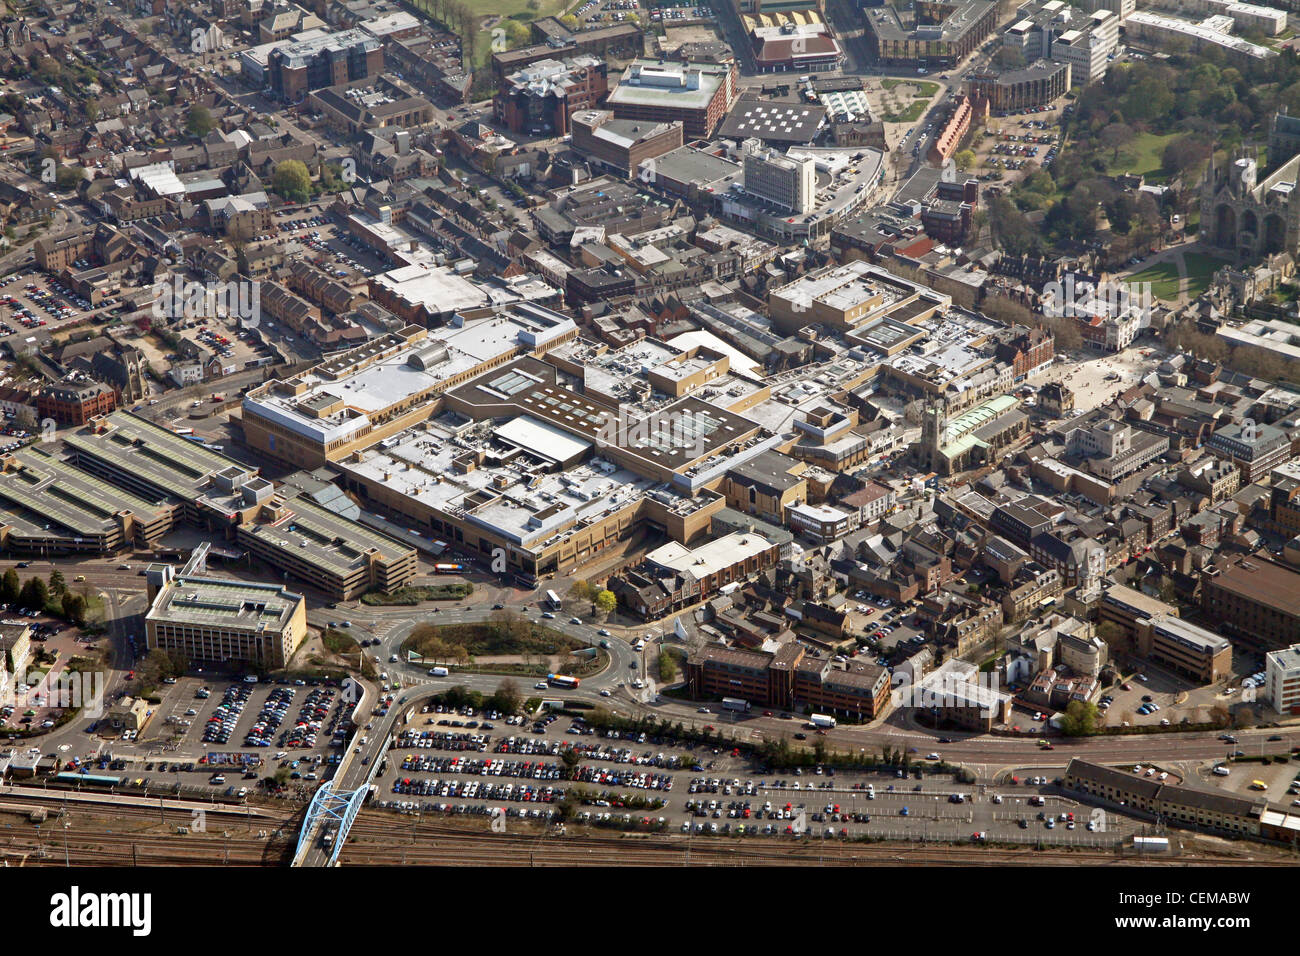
(964, 159)
(582, 591)
(67, 177)
(10, 587)
(517, 34)
(605, 601)
(1006, 310)
(570, 758)
(1116, 135)
(34, 594)
(1009, 58)
(1065, 331)
(1079, 719)
(57, 584)
(292, 180)
(1116, 637)
(74, 608)
(667, 666)
(199, 123)
(507, 698)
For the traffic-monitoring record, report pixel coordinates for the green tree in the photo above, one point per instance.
(964, 159)
(667, 666)
(582, 591)
(570, 758)
(517, 34)
(34, 594)
(1079, 719)
(74, 608)
(605, 601)
(57, 584)
(67, 177)
(10, 587)
(292, 180)
(199, 123)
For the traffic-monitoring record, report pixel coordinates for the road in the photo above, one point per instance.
(392, 625)
(990, 755)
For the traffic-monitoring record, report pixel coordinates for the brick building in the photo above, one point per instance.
(543, 96)
(74, 403)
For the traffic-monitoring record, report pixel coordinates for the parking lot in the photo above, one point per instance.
(34, 705)
(667, 12)
(31, 301)
(1281, 780)
(489, 765)
(1015, 145)
(339, 254)
(297, 725)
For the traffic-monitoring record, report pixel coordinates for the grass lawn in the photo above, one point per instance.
(1200, 270)
(924, 87)
(506, 8)
(1163, 277)
(1143, 156)
(909, 115)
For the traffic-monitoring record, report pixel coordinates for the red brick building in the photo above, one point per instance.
(543, 96)
(789, 678)
(70, 403)
(295, 69)
(1027, 350)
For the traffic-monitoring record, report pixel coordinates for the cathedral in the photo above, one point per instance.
(1247, 218)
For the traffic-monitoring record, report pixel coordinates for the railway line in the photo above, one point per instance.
(375, 842)
(135, 835)
(146, 836)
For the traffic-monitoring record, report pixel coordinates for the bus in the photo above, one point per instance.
(553, 601)
(450, 568)
(562, 680)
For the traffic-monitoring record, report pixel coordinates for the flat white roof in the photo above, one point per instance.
(712, 556)
(541, 438)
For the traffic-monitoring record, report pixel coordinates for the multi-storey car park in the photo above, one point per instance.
(287, 529)
(52, 507)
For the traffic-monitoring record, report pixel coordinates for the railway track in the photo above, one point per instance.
(126, 835)
(141, 836)
(376, 842)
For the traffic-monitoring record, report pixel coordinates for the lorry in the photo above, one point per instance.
(821, 720)
(735, 703)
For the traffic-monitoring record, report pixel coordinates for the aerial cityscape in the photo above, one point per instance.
(516, 433)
